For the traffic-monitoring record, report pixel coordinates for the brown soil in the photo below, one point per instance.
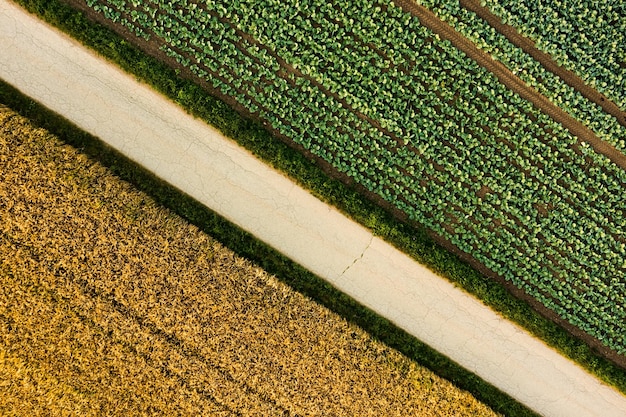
(111, 305)
(484, 190)
(514, 83)
(546, 60)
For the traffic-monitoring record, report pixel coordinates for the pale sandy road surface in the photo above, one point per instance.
(197, 159)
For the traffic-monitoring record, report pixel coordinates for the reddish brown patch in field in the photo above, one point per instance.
(543, 209)
(484, 190)
(449, 227)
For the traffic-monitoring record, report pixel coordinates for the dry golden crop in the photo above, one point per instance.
(111, 305)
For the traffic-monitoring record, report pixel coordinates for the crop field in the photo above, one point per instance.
(586, 36)
(370, 90)
(111, 305)
(608, 126)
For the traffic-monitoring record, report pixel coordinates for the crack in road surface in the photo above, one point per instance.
(358, 258)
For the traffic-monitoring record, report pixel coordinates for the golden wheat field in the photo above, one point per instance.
(111, 305)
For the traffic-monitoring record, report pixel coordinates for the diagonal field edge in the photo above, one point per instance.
(197, 159)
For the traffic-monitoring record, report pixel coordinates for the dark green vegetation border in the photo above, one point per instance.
(254, 137)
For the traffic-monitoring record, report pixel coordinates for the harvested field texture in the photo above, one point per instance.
(396, 101)
(111, 305)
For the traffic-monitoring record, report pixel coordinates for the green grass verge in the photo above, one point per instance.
(252, 136)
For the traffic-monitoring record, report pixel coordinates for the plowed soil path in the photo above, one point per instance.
(194, 157)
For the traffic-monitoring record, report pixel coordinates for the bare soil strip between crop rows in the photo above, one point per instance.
(432, 22)
(528, 46)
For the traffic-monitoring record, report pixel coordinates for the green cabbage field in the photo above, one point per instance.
(604, 125)
(586, 36)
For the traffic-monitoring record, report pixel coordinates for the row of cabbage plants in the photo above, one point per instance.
(584, 36)
(412, 119)
(466, 22)
(118, 12)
